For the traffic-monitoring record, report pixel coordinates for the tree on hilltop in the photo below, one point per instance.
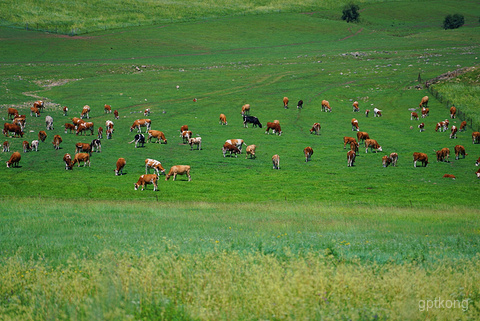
(350, 12)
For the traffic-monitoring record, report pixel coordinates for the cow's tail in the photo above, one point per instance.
(132, 141)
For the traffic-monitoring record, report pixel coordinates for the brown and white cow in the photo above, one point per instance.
(316, 129)
(453, 112)
(377, 112)
(275, 127)
(228, 147)
(453, 133)
(145, 180)
(348, 140)
(107, 109)
(56, 141)
(449, 176)
(178, 170)
(115, 114)
(355, 107)
(12, 128)
(109, 133)
(326, 106)
(308, 152)
(386, 161)
(160, 136)
(443, 154)
(355, 125)
(39, 104)
(351, 158)
(476, 137)
(84, 126)
(276, 161)
(6, 146)
(186, 134)
(34, 112)
(425, 112)
(34, 145)
(223, 119)
(422, 157)
(141, 123)
(69, 127)
(20, 121)
(65, 110)
(424, 102)
(14, 159)
(236, 142)
(251, 149)
(394, 157)
(100, 133)
(155, 165)
(413, 115)
(83, 147)
(146, 112)
(463, 126)
(81, 157)
(195, 141)
(76, 121)
(109, 124)
(120, 165)
(26, 146)
(367, 111)
(362, 136)
(421, 127)
(374, 146)
(440, 125)
(285, 102)
(459, 150)
(246, 109)
(68, 161)
(85, 112)
(478, 173)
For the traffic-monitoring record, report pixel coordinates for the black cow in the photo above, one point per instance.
(300, 104)
(139, 139)
(251, 119)
(97, 145)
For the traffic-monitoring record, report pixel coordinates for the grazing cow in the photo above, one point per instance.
(413, 115)
(81, 157)
(76, 121)
(12, 128)
(107, 109)
(251, 151)
(300, 104)
(56, 141)
(186, 134)
(34, 111)
(275, 128)
(425, 112)
(49, 122)
(463, 126)
(348, 140)
(367, 111)
(6, 146)
(476, 137)
(139, 139)
(195, 141)
(361, 136)
(68, 161)
(115, 114)
(26, 146)
(276, 161)
(237, 143)
(386, 161)
(377, 112)
(246, 109)
(155, 165)
(459, 150)
(440, 125)
(85, 112)
(251, 119)
(285, 102)
(12, 112)
(96, 145)
(14, 159)
(421, 127)
(355, 125)
(182, 129)
(100, 133)
(354, 146)
(39, 104)
(156, 134)
(228, 147)
(308, 152)
(351, 158)
(69, 127)
(443, 154)
(146, 112)
(42, 135)
(449, 176)
(109, 133)
(453, 112)
(223, 119)
(141, 123)
(422, 157)
(424, 102)
(476, 163)
(179, 170)
(145, 180)
(84, 126)
(374, 146)
(120, 165)
(315, 129)
(20, 121)
(394, 158)
(478, 173)
(34, 145)
(446, 122)
(453, 133)
(356, 109)
(65, 110)
(326, 106)
(109, 124)
(83, 147)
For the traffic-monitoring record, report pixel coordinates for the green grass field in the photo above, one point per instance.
(316, 240)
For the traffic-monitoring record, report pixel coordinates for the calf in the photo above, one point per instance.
(68, 161)
(81, 157)
(460, 150)
(351, 158)
(316, 129)
(139, 139)
(308, 152)
(34, 145)
(275, 128)
(285, 102)
(413, 115)
(276, 161)
(56, 141)
(145, 180)
(372, 143)
(14, 160)
(228, 147)
(251, 119)
(453, 112)
(49, 122)
(245, 109)
(26, 146)
(109, 124)
(160, 136)
(120, 165)
(476, 137)
(6, 146)
(326, 106)
(251, 151)
(223, 119)
(195, 141)
(355, 125)
(179, 170)
(155, 165)
(422, 157)
(182, 129)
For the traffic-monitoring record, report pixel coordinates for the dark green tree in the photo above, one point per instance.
(350, 12)
(453, 21)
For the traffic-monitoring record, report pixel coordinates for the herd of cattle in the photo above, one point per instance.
(83, 151)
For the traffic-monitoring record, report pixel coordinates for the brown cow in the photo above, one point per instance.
(69, 127)
(326, 106)
(453, 111)
(83, 147)
(424, 102)
(12, 128)
(275, 128)
(374, 146)
(476, 137)
(367, 111)
(14, 160)
(362, 136)
(276, 161)
(26, 146)
(348, 140)
(308, 152)
(12, 112)
(146, 112)
(81, 157)
(425, 112)
(6, 146)
(285, 102)
(107, 109)
(115, 114)
(42, 135)
(351, 158)
(413, 115)
(141, 123)
(237, 143)
(394, 158)
(355, 107)
(453, 133)
(100, 133)
(251, 149)
(76, 121)
(179, 170)
(20, 121)
(156, 134)
(463, 126)
(34, 111)
(246, 109)
(182, 129)
(85, 112)
(478, 173)
(65, 110)
(228, 147)
(355, 125)
(316, 129)
(477, 162)
(68, 161)
(155, 165)
(443, 154)
(145, 180)
(459, 150)
(422, 157)
(386, 161)
(56, 141)
(441, 126)
(84, 126)
(39, 104)
(120, 165)
(109, 133)
(223, 119)
(449, 176)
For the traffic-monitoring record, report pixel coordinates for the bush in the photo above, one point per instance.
(453, 21)
(350, 12)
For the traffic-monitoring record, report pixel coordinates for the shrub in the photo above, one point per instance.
(350, 12)
(453, 21)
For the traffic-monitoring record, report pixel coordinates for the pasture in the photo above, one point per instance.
(242, 240)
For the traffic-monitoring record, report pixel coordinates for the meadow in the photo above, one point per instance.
(243, 241)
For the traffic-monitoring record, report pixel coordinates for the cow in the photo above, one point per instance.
(49, 122)
(96, 145)
(315, 129)
(39, 104)
(413, 115)
(246, 109)
(425, 112)
(12, 112)
(386, 161)
(107, 109)
(84, 126)
(421, 127)
(223, 119)
(34, 111)
(109, 133)
(65, 110)
(115, 114)
(182, 129)
(12, 128)
(276, 161)
(308, 152)
(120, 165)
(377, 112)
(6, 146)
(109, 124)
(453, 112)
(476, 163)
(141, 123)
(326, 106)
(83, 147)
(155, 165)
(56, 141)
(443, 154)
(26, 146)
(145, 180)
(355, 125)
(146, 112)
(275, 128)
(139, 139)
(351, 158)
(367, 111)
(300, 104)
(14, 159)
(186, 134)
(69, 127)
(459, 150)
(179, 170)
(34, 145)
(422, 157)
(68, 161)
(453, 133)
(285, 102)
(354, 146)
(228, 147)
(156, 134)
(356, 109)
(20, 121)
(440, 125)
(463, 126)
(476, 137)
(446, 123)
(372, 143)
(81, 157)
(362, 136)
(237, 143)
(348, 140)
(424, 102)
(76, 121)
(42, 135)
(478, 173)
(85, 112)
(251, 151)
(251, 119)
(195, 141)
(449, 176)
(100, 133)
(394, 158)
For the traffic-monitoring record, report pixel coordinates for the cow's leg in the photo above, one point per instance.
(189, 177)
